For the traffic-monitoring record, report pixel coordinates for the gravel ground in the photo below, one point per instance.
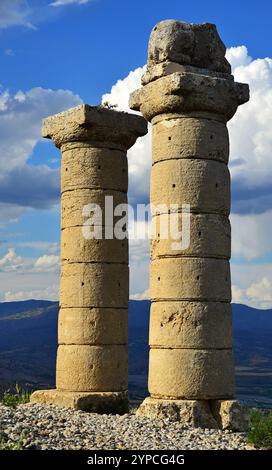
(48, 427)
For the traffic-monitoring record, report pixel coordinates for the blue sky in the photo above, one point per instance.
(55, 54)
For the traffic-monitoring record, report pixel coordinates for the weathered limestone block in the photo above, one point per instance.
(190, 137)
(101, 127)
(76, 248)
(72, 207)
(210, 236)
(94, 326)
(190, 279)
(231, 415)
(167, 67)
(187, 43)
(196, 413)
(94, 285)
(204, 184)
(207, 414)
(84, 167)
(83, 368)
(200, 95)
(95, 402)
(191, 373)
(187, 324)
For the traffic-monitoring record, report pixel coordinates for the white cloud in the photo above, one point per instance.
(49, 293)
(22, 184)
(15, 13)
(24, 278)
(47, 263)
(251, 284)
(11, 262)
(62, 3)
(250, 134)
(258, 294)
(141, 295)
(251, 235)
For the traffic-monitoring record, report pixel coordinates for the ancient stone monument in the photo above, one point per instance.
(92, 353)
(188, 95)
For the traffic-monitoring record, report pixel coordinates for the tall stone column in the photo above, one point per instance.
(92, 353)
(188, 95)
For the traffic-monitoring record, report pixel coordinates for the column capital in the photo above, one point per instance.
(187, 72)
(187, 92)
(98, 125)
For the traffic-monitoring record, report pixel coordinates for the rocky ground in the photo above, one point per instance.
(48, 427)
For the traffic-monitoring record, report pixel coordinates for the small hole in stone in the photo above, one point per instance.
(91, 366)
(97, 242)
(123, 244)
(119, 284)
(159, 278)
(197, 277)
(82, 283)
(199, 234)
(66, 169)
(173, 185)
(216, 185)
(158, 235)
(99, 167)
(211, 137)
(169, 138)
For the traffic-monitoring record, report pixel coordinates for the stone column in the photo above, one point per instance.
(188, 95)
(92, 353)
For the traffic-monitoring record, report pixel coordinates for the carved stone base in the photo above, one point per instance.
(209, 414)
(96, 402)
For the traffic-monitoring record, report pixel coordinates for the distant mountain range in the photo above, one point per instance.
(29, 338)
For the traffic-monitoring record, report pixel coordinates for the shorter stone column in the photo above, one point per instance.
(92, 368)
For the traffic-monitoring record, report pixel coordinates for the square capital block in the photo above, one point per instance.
(98, 125)
(190, 94)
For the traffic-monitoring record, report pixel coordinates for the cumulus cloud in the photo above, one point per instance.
(62, 3)
(24, 278)
(251, 235)
(46, 263)
(22, 184)
(250, 135)
(258, 294)
(15, 13)
(11, 262)
(141, 295)
(49, 293)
